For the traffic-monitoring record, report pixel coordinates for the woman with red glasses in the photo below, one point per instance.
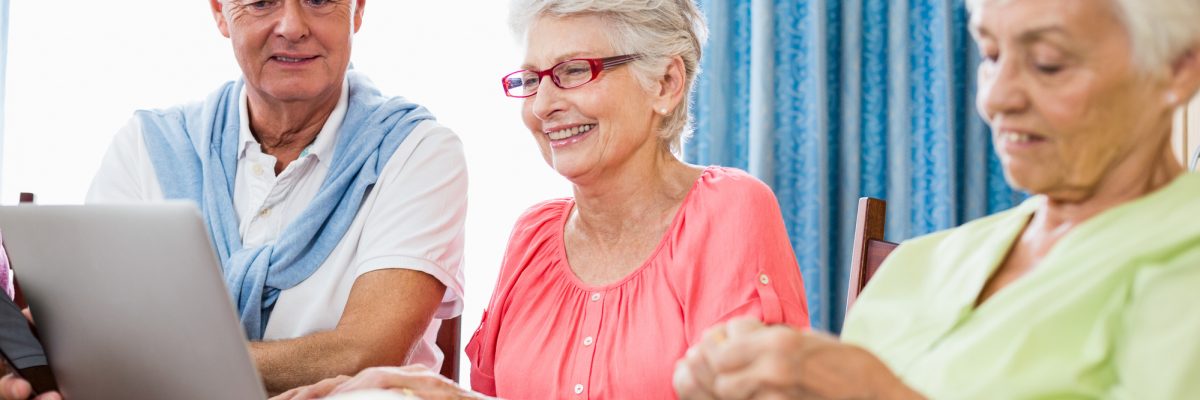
(600, 294)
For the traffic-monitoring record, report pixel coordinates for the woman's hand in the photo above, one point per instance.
(746, 360)
(414, 381)
(313, 391)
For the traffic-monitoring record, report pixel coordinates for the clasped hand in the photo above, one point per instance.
(744, 359)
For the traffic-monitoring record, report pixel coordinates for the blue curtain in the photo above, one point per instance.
(829, 100)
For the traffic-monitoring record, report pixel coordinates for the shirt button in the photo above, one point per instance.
(258, 170)
(595, 296)
(265, 212)
(587, 341)
(578, 389)
(764, 279)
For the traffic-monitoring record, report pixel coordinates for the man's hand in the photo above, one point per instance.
(746, 360)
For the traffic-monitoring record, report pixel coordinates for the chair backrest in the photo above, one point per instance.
(869, 247)
(448, 339)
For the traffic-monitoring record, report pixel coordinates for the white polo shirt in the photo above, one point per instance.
(413, 218)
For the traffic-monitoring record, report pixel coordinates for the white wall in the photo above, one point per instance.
(78, 69)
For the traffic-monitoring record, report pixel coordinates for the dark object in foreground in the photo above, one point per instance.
(22, 350)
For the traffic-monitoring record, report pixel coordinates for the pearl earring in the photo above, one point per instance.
(1173, 98)
(662, 111)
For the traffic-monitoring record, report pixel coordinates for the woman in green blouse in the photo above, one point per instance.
(1090, 289)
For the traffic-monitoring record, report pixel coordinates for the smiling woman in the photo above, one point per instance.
(601, 293)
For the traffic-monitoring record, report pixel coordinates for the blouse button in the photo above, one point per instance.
(764, 279)
(587, 341)
(595, 296)
(578, 389)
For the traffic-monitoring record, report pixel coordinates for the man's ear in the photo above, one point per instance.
(1185, 77)
(672, 85)
(218, 11)
(358, 14)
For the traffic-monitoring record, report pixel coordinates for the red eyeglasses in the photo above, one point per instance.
(566, 75)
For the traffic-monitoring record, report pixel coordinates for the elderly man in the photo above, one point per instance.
(337, 212)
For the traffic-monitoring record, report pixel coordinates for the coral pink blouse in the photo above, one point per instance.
(546, 334)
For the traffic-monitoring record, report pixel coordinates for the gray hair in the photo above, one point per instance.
(656, 29)
(1160, 31)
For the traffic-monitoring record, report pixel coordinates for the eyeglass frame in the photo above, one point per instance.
(597, 65)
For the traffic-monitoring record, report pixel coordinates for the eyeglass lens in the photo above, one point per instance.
(567, 75)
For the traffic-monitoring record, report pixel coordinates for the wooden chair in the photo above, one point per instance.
(869, 247)
(448, 338)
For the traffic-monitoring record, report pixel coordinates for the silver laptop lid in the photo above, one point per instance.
(129, 302)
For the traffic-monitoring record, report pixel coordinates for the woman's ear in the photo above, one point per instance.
(1185, 77)
(672, 85)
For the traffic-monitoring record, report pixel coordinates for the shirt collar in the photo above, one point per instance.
(321, 147)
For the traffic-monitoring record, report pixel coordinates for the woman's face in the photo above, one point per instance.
(1065, 101)
(591, 130)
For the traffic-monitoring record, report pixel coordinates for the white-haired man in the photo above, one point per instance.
(337, 212)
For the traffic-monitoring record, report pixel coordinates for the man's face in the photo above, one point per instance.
(291, 50)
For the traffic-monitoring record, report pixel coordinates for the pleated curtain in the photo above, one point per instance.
(827, 101)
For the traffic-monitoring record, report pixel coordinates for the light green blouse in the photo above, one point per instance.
(1113, 311)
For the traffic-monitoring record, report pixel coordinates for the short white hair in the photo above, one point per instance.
(656, 29)
(1160, 31)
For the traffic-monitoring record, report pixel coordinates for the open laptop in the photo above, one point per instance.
(129, 302)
